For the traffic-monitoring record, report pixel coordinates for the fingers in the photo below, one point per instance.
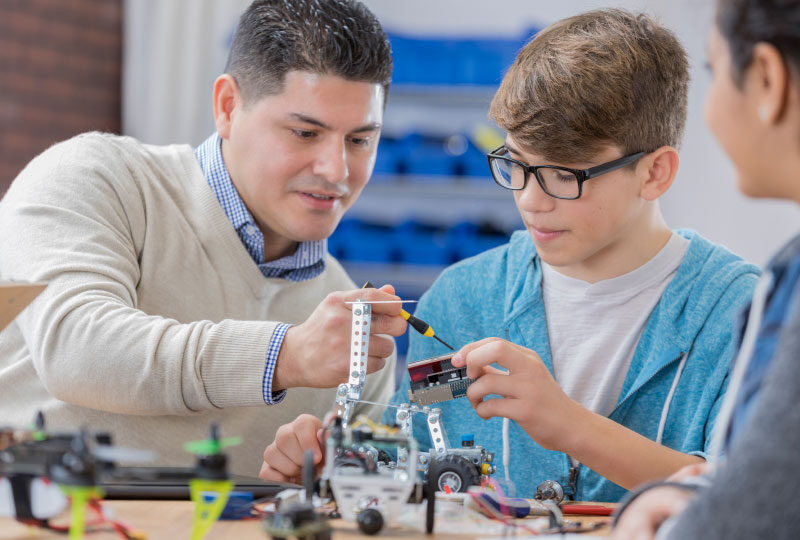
(375, 364)
(490, 384)
(493, 350)
(505, 408)
(268, 474)
(459, 359)
(380, 346)
(480, 354)
(646, 514)
(387, 289)
(393, 325)
(307, 438)
(690, 471)
(285, 455)
(377, 295)
(385, 318)
(277, 466)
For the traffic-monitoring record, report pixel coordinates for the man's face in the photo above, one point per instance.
(299, 159)
(578, 235)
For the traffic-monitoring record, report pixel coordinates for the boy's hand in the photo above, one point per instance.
(530, 395)
(283, 459)
(316, 353)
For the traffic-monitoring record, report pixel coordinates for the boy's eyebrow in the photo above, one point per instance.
(319, 123)
(511, 149)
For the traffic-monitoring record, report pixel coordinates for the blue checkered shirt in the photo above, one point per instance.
(307, 262)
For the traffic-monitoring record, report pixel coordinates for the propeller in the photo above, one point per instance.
(213, 445)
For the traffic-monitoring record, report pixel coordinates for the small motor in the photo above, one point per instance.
(549, 490)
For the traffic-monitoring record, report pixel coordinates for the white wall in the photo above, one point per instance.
(174, 49)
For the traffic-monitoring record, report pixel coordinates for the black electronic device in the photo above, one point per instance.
(173, 483)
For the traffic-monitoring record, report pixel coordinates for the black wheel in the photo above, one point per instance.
(454, 471)
(370, 521)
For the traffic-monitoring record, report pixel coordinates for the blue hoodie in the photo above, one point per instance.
(688, 341)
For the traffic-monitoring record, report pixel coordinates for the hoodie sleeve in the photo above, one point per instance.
(763, 465)
(718, 341)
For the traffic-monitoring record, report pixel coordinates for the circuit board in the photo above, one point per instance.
(434, 380)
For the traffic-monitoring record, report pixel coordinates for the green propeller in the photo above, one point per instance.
(213, 445)
(37, 430)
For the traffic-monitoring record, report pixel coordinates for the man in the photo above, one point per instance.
(194, 287)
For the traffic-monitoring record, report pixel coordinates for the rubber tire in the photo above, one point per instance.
(370, 521)
(461, 466)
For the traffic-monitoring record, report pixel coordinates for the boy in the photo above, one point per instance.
(614, 333)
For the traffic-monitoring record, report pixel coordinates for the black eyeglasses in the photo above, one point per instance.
(558, 182)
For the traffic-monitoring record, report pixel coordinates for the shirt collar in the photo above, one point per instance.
(306, 262)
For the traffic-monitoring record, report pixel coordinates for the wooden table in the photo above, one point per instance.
(172, 520)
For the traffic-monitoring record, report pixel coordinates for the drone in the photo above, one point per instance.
(43, 473)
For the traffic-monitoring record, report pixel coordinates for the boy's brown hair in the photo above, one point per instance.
(599, 78)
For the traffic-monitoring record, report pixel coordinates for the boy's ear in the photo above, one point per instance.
(226, 102)
(657, 170)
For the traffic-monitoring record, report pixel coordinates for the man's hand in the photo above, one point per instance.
(641, 520)
(530, 395)
(283, 459)
(316, 353)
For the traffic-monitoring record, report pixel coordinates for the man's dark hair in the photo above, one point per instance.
(327, 37)
(743, 23)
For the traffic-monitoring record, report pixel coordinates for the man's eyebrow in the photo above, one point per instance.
(323, 125)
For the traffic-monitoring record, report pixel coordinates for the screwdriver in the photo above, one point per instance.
(417, 324)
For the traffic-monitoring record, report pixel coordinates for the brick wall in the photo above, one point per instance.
(60, 69)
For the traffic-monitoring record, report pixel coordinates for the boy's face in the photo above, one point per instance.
(299, 159)
(579, 236)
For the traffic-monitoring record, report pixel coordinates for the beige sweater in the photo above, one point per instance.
(156, 321)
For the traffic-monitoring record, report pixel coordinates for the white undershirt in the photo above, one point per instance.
(594, 328)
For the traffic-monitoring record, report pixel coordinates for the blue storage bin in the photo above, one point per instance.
(478, 244)
(424, 249)
(451, 61)
(355, 240)
(426, 155)
(418, 243)
(403, 51)
(472, 162)
(388, 157)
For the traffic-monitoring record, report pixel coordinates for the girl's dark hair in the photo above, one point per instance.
(327, 37)
(743, 23)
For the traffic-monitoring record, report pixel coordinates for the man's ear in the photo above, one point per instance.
(227, 101)
(658, 170)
